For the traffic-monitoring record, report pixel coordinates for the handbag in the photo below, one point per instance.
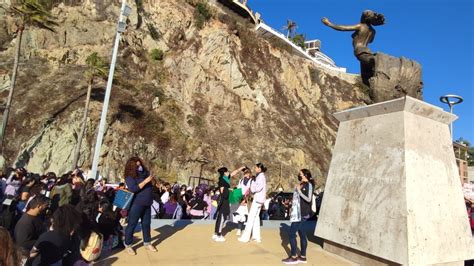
(123, 199)
(235, 196)
(91, 250)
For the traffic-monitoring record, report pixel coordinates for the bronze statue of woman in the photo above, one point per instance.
(363, 34)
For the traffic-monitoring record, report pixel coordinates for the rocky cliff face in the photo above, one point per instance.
(221, 93)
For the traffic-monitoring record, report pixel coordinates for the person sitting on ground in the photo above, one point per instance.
(54, 245)
(77, 184)
(171, 209)
(24, 194)
(197, 206)
(166, 190)
(36, 189)
(13, 183)
(52, 178)
(25, 187)
(108, 225)
(207, 198)
(88, 185)
(10, 255)
(61, 193)
(157, 205)
(88, 208)
(3, 183)
(31, 224)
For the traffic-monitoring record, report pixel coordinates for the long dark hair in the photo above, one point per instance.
(222, 171)
(131, 167)
(308, 175)
(106, 209)
(262, 167)
(372, 18)
(66, 219)
(9, 253)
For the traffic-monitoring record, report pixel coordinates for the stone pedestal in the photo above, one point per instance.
(393, 194)
(395, 77)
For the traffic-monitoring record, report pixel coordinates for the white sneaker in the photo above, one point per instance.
(220, 239)
(239, 232)
(257, 240)
(242, 240)
(214, 237)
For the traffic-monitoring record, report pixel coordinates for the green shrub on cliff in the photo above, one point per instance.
(299, 40)
(202, 14)
(156, 54)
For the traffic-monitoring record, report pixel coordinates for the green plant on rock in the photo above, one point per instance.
(96, 67)
(202, 14)
(29, 13)
(156, 54)
(299, 40)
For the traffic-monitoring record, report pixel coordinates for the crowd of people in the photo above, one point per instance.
(58, 219)
(71, 220)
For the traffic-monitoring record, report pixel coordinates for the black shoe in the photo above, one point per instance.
(290, 260)
(301, 259)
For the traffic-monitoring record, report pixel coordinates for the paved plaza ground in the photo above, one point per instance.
(190, 243)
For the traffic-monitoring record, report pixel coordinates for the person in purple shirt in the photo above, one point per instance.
(139, 181)
(170, 207)
(13, 183)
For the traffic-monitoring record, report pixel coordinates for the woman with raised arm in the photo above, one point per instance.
(138, 181)
(223, 206)
(363, 34)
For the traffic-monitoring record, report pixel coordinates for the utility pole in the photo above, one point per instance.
(125, 11)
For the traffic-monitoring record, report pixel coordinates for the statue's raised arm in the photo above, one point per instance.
(328, 23)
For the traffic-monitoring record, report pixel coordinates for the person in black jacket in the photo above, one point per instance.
(305, 192)
(223, 207)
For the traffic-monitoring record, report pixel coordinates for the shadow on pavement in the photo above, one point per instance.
(168, 231)
(106, 261)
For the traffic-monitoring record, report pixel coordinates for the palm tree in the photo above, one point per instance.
(290, 28)
(96, 67)
(30, 13)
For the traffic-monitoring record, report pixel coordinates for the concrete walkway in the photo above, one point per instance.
(190, 243)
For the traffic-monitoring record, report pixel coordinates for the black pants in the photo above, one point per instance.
(221, 217)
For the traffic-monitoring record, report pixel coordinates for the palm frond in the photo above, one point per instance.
(34, 13)
(96, 66)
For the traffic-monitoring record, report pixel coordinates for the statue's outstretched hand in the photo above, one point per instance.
(325, 21)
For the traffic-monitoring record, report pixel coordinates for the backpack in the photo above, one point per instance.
(92, 249)
(178, 213)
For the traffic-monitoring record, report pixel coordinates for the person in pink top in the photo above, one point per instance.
(259, 189)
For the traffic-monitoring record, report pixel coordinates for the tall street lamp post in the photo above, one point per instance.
(451, 100)
(125, 11)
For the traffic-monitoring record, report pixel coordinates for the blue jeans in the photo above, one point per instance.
(298, 227)
(138, 212)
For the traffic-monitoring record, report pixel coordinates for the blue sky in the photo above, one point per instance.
(436, 33)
